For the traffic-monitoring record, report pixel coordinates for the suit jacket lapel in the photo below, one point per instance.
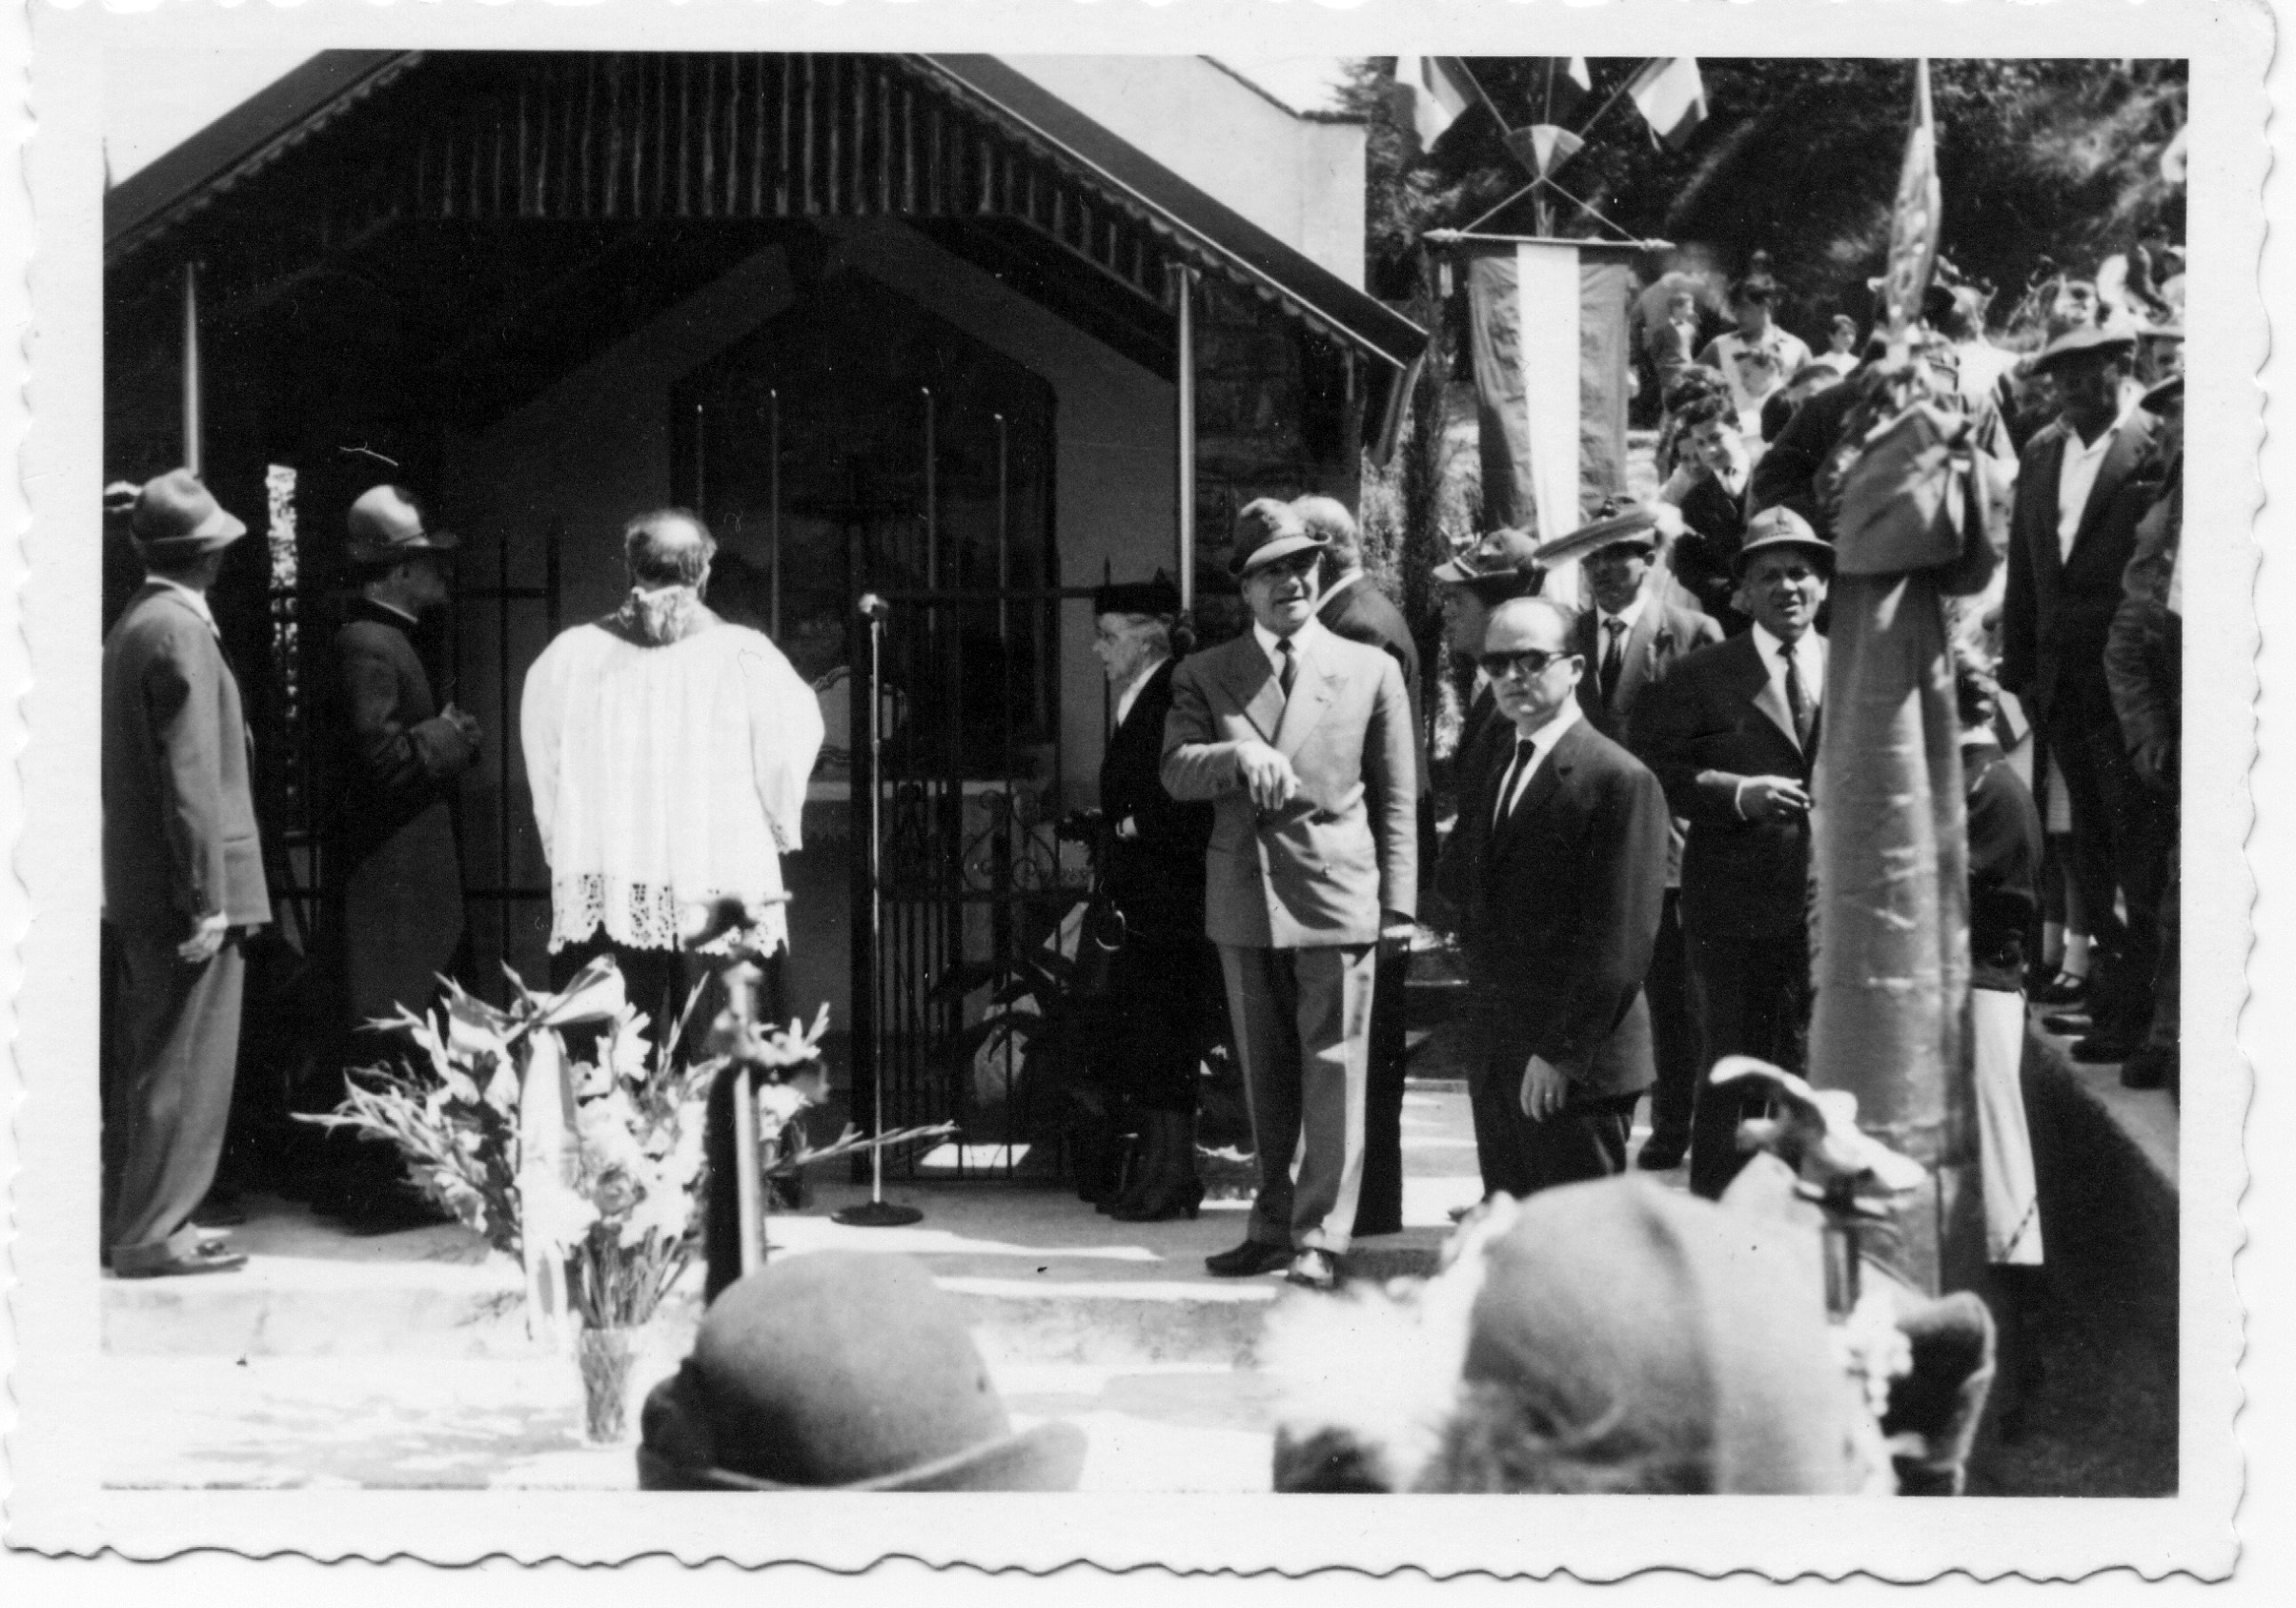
(1765, 697)
(1538, 790)
(1311, 695)
(2048, 468)
(1251, 682)
(2120, 460)
(1642, 648)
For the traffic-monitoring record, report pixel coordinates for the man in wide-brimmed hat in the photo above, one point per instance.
(1732, 733)
(395, 761)
(2082, 485)
(843, 1370)
(1302, 740)
(183, 883)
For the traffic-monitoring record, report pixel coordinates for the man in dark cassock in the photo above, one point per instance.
(397, 756)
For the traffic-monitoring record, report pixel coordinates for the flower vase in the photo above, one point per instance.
(605, 1359)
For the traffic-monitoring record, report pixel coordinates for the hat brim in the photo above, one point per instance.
(1270, 552)
(392, 552)
(1048, 1457)
(218, 530)
(2057, 356)
(1747, 554)
(1639, 529)
(2170, 390)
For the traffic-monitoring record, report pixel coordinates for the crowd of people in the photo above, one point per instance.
(1623, 858)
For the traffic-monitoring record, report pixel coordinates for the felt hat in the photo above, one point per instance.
(2080, 340)
(1268, 529)
(843, 1370)
(1152, 597)
(2170, 390)
(175, 515)
(386, 524)
(1625, 1314)
(1503, 555)
(1631, 525)
(1779, 527)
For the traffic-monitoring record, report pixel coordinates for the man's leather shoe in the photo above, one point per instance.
(1662, 1155)
(2150, 1066)
(1315, 1270)
(207, 1256)
(1247, 1259)
(2067, 1024)
(2102, 1049)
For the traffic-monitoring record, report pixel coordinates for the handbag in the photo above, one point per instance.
(1100, 938)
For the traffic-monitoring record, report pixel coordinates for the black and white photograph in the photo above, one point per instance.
(1137, 776)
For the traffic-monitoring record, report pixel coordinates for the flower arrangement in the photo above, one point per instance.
(611, 1197)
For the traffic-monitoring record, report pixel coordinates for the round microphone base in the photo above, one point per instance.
(877, 1214)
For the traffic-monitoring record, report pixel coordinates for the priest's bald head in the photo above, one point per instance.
(667, 547)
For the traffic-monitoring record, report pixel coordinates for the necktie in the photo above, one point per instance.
(1524, 751)
(1287, 674)
(1798, 701)
(1614, 659)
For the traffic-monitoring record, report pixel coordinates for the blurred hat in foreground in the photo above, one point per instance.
(843, 1370)
(1631, 526)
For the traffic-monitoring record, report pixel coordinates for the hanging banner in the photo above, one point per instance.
(1547, 327)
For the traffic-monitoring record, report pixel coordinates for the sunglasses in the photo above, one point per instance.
(1525, 662)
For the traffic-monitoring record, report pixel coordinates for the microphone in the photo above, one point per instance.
(874, 608)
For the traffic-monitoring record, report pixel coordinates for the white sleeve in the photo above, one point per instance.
(784, 736)
(541, 718)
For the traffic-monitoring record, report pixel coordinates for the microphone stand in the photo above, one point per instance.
(878, 1212)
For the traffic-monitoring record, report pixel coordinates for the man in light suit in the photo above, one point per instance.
(1354, 608)
(183, 883)
(1732, 733)
(1628, 642)
(2082, 485)
(1559, 864)
(397, 759)
(1303, 742)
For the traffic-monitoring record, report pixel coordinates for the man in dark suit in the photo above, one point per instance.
(1628, 641)
(2082, 485)
(1302, 740)
(1732, 733)
(1354, 608)
(1167, 975)
(396, 757)
(1559, 864)
(183, 883)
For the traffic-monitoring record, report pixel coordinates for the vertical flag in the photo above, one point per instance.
(1672, 98)
(1439, 88)
(1915, 216)
(1548, 332)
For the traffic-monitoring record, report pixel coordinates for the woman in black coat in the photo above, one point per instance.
(1164, 996)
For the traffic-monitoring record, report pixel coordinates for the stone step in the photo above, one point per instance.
(1043, 1279)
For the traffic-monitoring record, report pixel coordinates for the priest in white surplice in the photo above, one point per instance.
(667, 751)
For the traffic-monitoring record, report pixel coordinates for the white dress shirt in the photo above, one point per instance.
(1628, 618)
(1300, 639)
(1542, 743)
(2077, 478)
(1809, 657)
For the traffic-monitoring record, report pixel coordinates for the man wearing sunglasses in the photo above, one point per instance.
(1558, 863)
(1302, 740)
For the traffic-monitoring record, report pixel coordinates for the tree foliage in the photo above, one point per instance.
(2045, 164)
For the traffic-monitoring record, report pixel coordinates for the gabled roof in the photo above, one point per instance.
(236, 148)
